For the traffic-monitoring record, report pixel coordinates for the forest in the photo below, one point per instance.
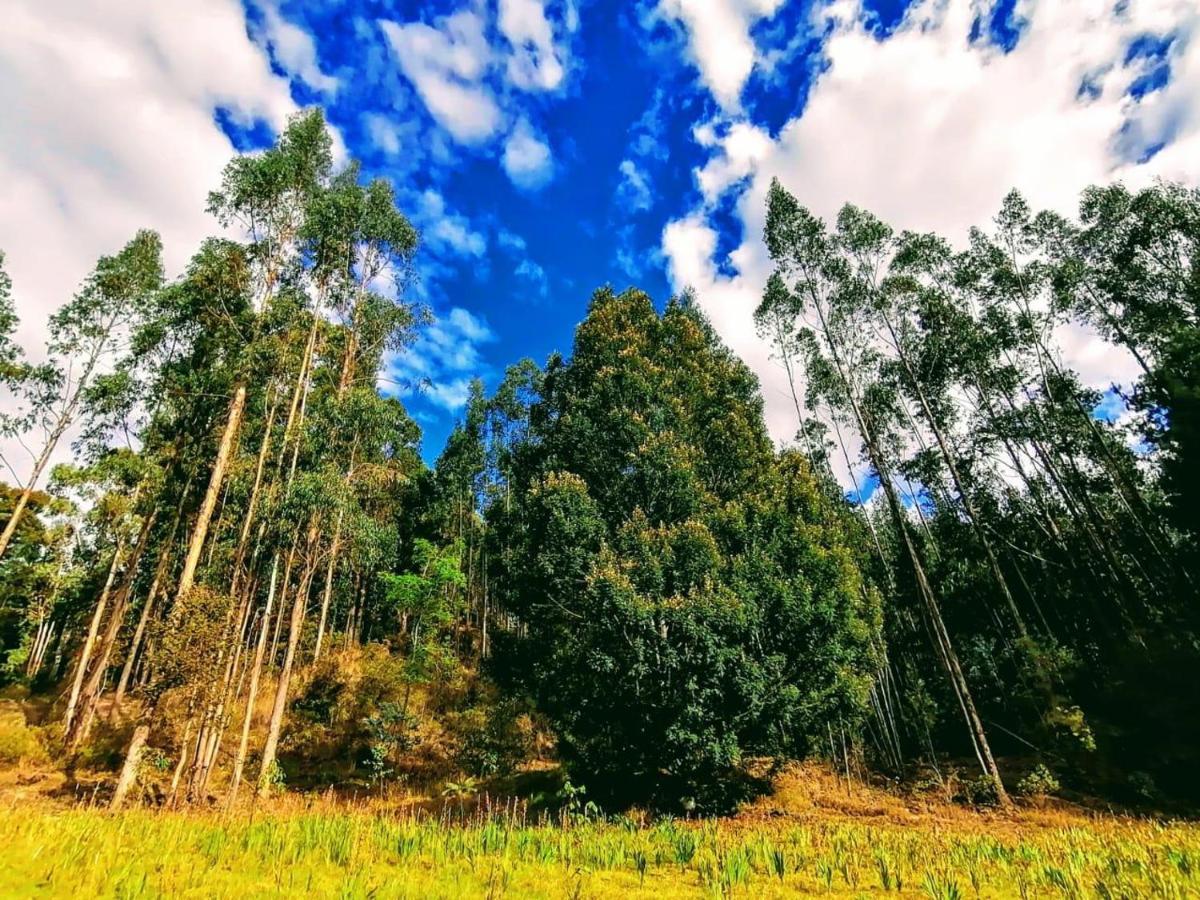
(969, 573)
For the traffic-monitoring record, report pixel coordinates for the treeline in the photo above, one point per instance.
(248, 552)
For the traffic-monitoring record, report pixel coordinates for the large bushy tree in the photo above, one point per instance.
(685, 597)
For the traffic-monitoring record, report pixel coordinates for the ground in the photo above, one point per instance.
(815, 833)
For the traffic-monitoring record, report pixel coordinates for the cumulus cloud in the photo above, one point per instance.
(446, 64)
(108, 127)
(929, 129)
(293, 49)
(474, 89)
(534, 63)
(442, 361)
(719, 40)
(527, 158)
(445, 230)
(533, 273)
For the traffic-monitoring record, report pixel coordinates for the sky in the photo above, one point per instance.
(545, 148)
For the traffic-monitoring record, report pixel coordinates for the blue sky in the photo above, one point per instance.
(527, 250)
(547, 147)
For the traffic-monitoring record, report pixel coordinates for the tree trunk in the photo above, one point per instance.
(85, 653)
(328, 592)
(65, 418)
(129, 771)
(90, 696)
(239, 761)
(285, 673)
(334, 547)
(200, 531)
(252, 506)
(949, 656)
(959, 485)
(138, 632)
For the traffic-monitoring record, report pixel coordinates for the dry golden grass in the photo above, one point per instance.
(815, 834)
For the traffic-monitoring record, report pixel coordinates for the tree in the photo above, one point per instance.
(84, 335)
(681, 602)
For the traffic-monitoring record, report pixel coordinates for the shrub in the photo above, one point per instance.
(20, 744)
(980, 791)
(494, 738)
(1040, 782)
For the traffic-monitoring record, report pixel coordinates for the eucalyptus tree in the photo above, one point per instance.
(86, 334)
(12, 368)
(823, 284)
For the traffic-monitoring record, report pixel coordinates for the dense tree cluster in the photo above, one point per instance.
(247, 569)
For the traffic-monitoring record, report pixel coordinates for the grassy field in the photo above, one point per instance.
(58, 851)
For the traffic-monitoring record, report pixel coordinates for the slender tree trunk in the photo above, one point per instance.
(129, 771)
(90, 696)
(37, 653)
(275, 725)
(85, 653)
(239, 760)
(949, 656)
(179, 766)
(252, 506)
(65, 418)
(334, 547)
(139, 632)
(959, 485)
(200, 531)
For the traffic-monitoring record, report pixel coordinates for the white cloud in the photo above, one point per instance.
(446, 64)
(534, 63)
(929, 131)
(469, 326)
(719, 40)
(442, 361)
(294, 50)
(527, 158)
(107, 127)
(510, 240)
(534, 274)
(634, 189)
(383, 133)
(740, 152)
(445, 229)
(450, 395)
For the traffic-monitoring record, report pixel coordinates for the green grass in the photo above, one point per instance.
(88, 853)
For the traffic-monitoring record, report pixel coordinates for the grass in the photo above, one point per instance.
(54, 851)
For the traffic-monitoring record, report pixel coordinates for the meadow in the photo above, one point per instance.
(57, 851)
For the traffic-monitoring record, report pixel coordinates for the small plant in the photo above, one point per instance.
(981, 791)
(941, 887)
(274, 778)
(1040, 782)
(571, 797)
(778, 863)
(155, 760)
(460, 790)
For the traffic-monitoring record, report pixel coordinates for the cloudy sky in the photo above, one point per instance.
(546, 147)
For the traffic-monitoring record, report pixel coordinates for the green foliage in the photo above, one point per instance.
(20, 744)
(979, 791)
(689, 598)
(494, 738)
(1039, 782)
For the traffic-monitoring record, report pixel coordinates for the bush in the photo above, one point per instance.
(494, 739)
(1040, 782)
(980, 791)
(20, 744)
